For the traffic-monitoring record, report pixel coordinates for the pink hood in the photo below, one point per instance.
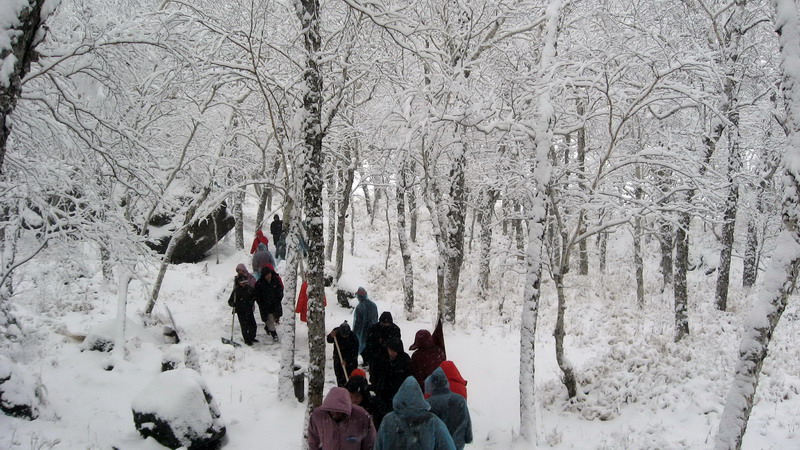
(337, 400)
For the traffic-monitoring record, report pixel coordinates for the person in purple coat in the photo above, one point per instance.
(340, 425)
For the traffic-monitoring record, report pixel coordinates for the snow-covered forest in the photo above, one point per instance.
(599, 198)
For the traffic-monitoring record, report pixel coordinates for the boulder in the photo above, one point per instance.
(199, 240)
(177, 410)
(102, 336)
(21, 393)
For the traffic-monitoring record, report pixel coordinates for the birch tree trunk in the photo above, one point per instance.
(681, 294)
(729, 223)
(122, 317)
(312, 134)
(288, 330)
(538, 205)
(782, 274)
(750, 261)
(638, 263)
(411, 195)
(334, 197)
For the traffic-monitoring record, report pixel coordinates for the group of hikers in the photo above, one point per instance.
(263, 287)
(417, 401)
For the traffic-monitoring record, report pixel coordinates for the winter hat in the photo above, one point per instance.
(423, 339)
(344, 329)
(361, 292)
(358, 373)
(386, 317)
(357, 384)
(241, 266)
(395, 344)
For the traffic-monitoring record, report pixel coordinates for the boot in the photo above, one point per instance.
(274, 336)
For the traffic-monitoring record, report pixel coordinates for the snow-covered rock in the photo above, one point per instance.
(101, 337)
(177, 410)
(20, 391)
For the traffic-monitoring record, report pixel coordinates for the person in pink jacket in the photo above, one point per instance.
(338, 424)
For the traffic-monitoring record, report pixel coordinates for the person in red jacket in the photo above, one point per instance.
(259, 239)
(457, 383)
(426, 357)
(302, 302)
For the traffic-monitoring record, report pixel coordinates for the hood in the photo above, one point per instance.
(361, 294)
(241, 266)
(386, 316)
(259, 233)
(452, 372)
(408, 401)
(337, 400)
(395, 344)
(261, 247)
(423, 339)
(437, 382)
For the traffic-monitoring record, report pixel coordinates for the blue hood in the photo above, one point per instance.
(437, 383)
(409, 402)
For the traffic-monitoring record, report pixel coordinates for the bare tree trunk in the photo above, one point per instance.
(263, 198)
(771, 301)
(517, 226)
(559, 333)
(729, 222)
(583, 255)
(602, 242)
(122, 316)
(638, 263)
(105, 263)
(681, 293)
(411, 195)
(665, 242)
(389, 235)
(750, 262)
(489, 197)
(288, 331)
(311, 132)
(347, 176)
(334, 197)
(405, 251)
(454, 238)
(367, 201)
(238, 199)
(537, 207)
(25, 33)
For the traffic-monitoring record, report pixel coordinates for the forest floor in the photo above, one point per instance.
(637, 389)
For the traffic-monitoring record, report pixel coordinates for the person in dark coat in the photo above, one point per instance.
(393, 371)
(411, 425)
(450, 407)
(360, 395)
(261, 258)
(426, 357)
(276, 229)
(268, 295)
(259, 239)
(364, 316)
(241, 300)
(346, 342)
(377, 335)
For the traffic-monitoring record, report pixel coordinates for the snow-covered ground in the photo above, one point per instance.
(637, 389)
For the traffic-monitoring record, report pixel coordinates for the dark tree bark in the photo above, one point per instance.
(238, 200)
(312, 134)
(405, 252)
(347, 175)
(681, 293)
(25, 36)
(454, 233)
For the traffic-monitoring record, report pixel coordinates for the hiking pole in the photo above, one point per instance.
(341, 360)
(231, 341)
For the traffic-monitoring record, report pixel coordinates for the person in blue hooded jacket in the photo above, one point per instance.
(364, 316)
(411, 425)
(450, 407)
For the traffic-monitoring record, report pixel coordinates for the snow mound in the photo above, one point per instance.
(21, 393)
(177, 409)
